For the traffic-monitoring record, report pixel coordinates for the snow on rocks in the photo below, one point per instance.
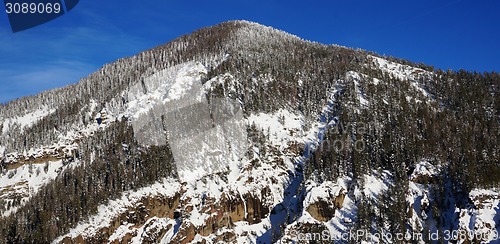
(323, 200)
(424, 173)
(317, 192)
(23, 182)
(106, 213)
(483, 219)
(399, 71)
(402, 72)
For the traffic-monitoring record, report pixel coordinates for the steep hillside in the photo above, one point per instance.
(243, 133)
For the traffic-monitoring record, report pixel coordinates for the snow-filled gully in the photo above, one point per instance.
(290, 209)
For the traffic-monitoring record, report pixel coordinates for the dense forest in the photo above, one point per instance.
(118, 164)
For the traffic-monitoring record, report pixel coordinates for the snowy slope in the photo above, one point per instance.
(251, 173)
(269, 182)
(403, 72)
(21, 183)
(26, 120)
(107, 212)
(204, 137)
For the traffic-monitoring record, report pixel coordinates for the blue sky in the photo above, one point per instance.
(447, 34)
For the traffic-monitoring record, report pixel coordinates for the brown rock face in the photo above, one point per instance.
(223, 213)
(425, 179)
(339, 200)
(324, 209)
(185, 235)
(147, 208)
(321, 210)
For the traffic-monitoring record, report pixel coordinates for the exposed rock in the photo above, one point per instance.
(223, 213)
(226, 237)
(145, 209)
(153, 233)
(424, 173)
(323, 209)
(425, 179)
(185, 234)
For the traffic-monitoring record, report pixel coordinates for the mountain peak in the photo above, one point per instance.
(237, 32)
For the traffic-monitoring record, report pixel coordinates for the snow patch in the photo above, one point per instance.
(399, 71)
(324, 191)
(484, 217)
(402, 72)
(226, 81)
(26, 180)
(281, 127)
(204, 137)
(27, 120)
(424, 168)
(356, 78)
(375, 184)
(169, 84)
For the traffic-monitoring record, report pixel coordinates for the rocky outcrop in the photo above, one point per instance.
(323, 208)
(141, 215)
(424, 173)
(222, 213)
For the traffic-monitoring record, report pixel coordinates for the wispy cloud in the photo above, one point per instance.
(32, 80)
(73, 46)
(55, 55)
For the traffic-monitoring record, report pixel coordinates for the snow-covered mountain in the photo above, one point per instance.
(241, 133)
